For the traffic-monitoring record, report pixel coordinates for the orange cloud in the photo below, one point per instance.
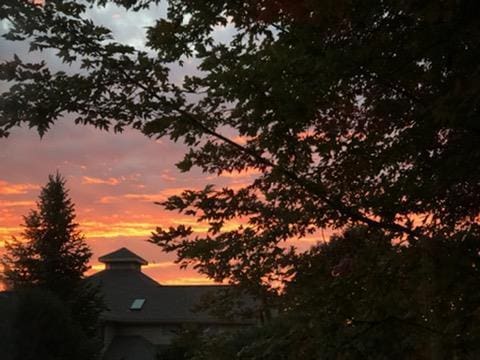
(191, 280)
(242, 140)
(87, 180)
(7, 188)
(124, 228)
(97, 229)
(17, 203)
(145, 197)
(167, 177)
(7, 232)
(139, 197)
(108, 199)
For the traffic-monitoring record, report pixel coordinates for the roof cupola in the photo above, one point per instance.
(122, 259)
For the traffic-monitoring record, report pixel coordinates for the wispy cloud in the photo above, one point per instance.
(17, 203)
(145, 197)
(7, 188)
(98, 229)
(9, 230)
(193, 280)
(87, 180)
(166, 176)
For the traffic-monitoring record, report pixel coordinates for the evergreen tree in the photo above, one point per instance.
(52, 253)
(53, 256)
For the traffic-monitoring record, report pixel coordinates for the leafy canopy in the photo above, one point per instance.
(353, 112)
(359, 296)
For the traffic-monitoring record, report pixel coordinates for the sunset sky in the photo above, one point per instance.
(114, 179)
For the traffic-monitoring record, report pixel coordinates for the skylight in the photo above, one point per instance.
(137, 304)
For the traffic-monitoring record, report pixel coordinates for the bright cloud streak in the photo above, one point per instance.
(17, 203)
(95, 229)
(97, 181)
(7, 188)
(193, 280)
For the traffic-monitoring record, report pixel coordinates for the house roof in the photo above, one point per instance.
(122, 255)
(163, 304)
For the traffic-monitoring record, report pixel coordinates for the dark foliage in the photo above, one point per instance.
(43, 328)
(360, 297)
(352, 112)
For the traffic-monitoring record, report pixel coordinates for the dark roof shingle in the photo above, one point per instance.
(163, 304)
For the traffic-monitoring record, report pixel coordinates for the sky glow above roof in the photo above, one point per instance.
(114, 179)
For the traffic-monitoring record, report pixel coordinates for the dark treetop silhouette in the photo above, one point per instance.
(52, 253)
